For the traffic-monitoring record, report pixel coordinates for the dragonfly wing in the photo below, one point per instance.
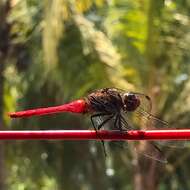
(145, 102)
(119, 144)
(144, 148)
(108, 122)
(149, 121)
(140, 119)
(174, 143)
(150, 150)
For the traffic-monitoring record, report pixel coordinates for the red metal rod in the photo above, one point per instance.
(180, 134)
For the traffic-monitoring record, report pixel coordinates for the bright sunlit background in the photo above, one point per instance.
(52, 52)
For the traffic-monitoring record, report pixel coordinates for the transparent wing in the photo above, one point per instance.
(149, 121)
(145, 102)
(108, 122)
(147, 149)
(150, 150)
(144, 120)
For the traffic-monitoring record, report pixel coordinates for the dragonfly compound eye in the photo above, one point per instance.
(131, 102)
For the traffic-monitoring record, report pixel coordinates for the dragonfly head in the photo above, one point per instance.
(131, 102)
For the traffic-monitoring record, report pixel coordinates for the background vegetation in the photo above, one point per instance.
(52, 52)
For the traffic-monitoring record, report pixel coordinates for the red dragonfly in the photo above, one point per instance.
(112, 108)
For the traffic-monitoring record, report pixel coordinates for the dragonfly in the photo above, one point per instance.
(115, 109)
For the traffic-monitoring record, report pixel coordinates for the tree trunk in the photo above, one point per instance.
(4, 46)
(146, 171)
(2, 168)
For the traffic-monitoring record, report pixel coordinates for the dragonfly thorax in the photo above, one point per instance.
(105, 100)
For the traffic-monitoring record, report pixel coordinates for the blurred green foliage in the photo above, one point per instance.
(59, 51)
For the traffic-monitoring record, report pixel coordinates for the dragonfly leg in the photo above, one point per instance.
(120, 124)
(97, 115)
(125, 123)
(115, 122)
(104, 148)
(104, 122)
(100, 126)
(154, 152)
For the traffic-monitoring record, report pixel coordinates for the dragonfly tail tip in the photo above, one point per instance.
(12, 114)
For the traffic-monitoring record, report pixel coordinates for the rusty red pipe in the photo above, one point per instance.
(180, 134)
